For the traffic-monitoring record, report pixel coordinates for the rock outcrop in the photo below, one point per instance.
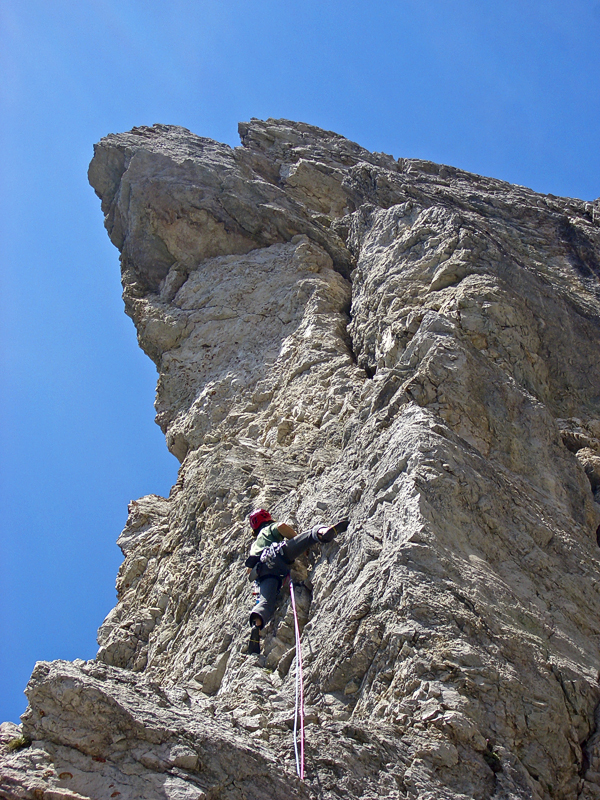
(339, 333)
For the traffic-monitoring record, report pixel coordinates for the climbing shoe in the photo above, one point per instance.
(254, 643)
(328, 534)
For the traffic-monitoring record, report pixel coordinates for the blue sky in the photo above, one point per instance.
(506, 88)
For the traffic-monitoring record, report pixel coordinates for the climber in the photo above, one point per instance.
(271, 556)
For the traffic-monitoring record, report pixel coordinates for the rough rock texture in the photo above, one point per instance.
(340, 333)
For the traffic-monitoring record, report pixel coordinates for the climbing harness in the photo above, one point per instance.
(299, 710)
(270, 555)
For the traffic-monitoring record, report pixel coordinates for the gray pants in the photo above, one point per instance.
(271, 578)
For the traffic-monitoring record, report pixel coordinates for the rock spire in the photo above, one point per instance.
(340, 333)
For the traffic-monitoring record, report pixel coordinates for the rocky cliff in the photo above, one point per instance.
(339, 333)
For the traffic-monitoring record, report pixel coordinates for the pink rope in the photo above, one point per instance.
(299, 710)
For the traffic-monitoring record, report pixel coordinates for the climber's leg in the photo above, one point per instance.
(320, 534)
(298, 545)
(263, 611)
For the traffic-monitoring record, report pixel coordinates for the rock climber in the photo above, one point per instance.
(272, 554)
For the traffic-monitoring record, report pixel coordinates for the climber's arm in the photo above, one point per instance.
(286, 530)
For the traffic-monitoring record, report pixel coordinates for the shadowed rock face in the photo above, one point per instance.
(338, 333)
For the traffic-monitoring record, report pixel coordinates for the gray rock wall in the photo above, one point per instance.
(338, 333)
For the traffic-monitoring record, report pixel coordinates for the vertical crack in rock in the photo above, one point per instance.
(340, 333)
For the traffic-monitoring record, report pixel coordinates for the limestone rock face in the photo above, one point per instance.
(338, 333)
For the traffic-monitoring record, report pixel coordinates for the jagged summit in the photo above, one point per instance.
(342, 334)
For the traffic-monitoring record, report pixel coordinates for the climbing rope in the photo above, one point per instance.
(299, 710)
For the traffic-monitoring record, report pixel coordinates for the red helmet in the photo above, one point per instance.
(258, 517)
